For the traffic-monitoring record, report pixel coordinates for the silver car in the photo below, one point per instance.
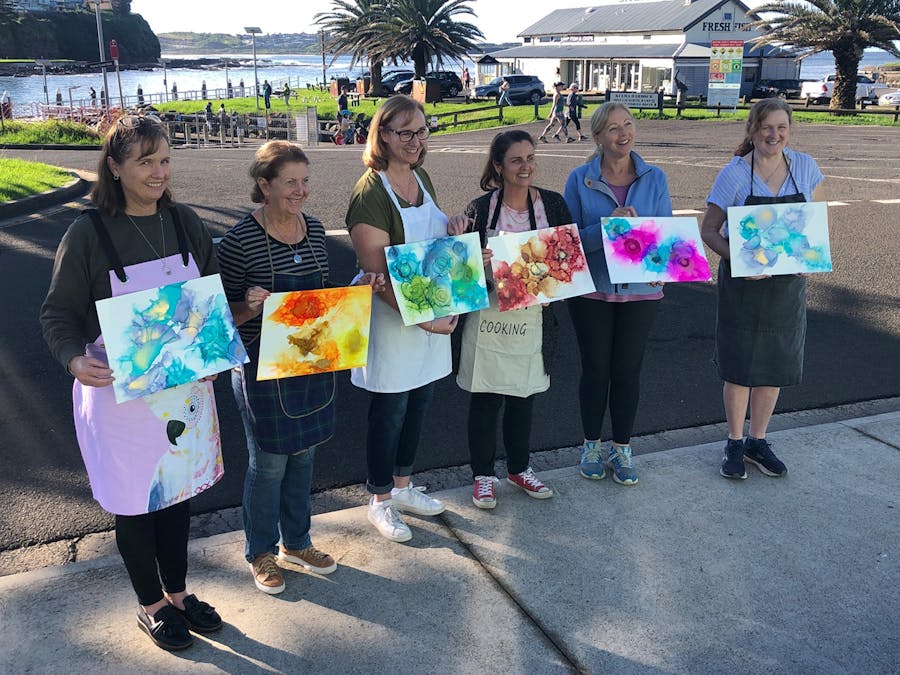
(891, 98)
(522, 89)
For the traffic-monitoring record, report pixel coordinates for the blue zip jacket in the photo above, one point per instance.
(590, 198)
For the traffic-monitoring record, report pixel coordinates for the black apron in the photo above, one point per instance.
(293, 413)
(761, 325)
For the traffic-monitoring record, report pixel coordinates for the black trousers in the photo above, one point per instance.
(154, 548)
(484, 410)
(612, 337)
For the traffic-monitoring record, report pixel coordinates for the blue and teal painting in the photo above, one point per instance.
(437, 277)
(167, 336)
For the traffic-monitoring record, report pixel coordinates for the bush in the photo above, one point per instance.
(51, 132)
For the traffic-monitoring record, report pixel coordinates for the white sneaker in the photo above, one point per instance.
(412, 499)
(383, 515)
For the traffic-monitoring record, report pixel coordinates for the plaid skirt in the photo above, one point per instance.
(290, 414)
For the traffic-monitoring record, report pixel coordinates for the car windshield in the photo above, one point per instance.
(496, 80)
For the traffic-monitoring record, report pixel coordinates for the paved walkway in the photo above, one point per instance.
(684, 573)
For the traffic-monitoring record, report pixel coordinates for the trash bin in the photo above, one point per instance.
(362, 86)
(426, 91)
(336, 85)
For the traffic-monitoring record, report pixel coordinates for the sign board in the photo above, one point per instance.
(726, 62)
(307, 127)
(635, 99)
(101, 64)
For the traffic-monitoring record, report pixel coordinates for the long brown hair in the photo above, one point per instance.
(269, 160)
(144, 132)
(490, 177)
(758, 114)
(376, 154)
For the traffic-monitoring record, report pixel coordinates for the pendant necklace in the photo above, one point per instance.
(162, 234)
(516, 216)
(297, 258)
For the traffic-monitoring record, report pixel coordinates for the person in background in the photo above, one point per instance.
(507, 371)
(557, 115)
(140, 95)
(574, 106)
(137, 238)
(503, 99)
(761, 321)
(342, 103)
(267, 94)
(93, 97)
(394, 202)
(466, 83)
(286, 92)
(613, 324)
(278, 248)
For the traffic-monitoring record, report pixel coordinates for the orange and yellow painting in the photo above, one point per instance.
(306, 332)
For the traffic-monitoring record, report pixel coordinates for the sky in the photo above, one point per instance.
(280, 16)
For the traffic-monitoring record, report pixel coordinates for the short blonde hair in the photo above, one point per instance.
(600, 118)
(376, 154)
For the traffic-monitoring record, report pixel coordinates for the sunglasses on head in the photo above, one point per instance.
(135, 121)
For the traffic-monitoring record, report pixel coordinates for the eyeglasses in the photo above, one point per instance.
(406, 135)
(135, 121)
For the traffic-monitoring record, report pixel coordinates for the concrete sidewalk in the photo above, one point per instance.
(684, 573)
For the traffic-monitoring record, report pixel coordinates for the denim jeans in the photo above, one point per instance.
(394, 427)
(276, 494)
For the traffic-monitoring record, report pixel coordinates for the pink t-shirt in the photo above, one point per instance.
(511, 220)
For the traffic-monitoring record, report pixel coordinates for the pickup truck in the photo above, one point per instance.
(819, 92)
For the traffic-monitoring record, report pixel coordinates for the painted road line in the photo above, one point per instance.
(838, 203)
(337, 233)
(886, 201)
(685, 212)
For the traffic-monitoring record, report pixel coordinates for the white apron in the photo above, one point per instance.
(149, 453)
(402, 358)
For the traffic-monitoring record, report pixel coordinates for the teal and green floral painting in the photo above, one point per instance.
(437, 277)
(772, 239)
(166, 336)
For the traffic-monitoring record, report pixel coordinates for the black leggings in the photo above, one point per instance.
(154, 548)
(611, 338)
(484, 408)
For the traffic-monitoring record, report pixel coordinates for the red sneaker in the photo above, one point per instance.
(484, 493)
(530, 483)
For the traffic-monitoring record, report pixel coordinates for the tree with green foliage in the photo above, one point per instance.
(350, 29)
(426, 31)
(844, 27)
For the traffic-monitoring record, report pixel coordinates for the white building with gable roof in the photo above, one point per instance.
(642, 45)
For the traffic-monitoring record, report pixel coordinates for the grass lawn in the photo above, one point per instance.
(49, 132)
(19, 178)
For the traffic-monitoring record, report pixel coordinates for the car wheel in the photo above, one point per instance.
(454, 91)
(536, 97)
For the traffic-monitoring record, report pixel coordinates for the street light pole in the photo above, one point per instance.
(106, 5)
(254, 31)
(165, 83)
(71, 106)
(43, 63)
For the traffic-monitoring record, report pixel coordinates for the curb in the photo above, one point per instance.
(76, 188)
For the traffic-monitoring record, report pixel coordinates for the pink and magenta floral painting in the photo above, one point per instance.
(539, 266)
(654, 249)
(775, 239)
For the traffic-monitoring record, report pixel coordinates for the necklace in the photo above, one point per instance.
(773, 172)
(297, 258)
(162, 235)
(410, 191)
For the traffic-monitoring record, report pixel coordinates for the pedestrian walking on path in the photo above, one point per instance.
(761, 320)
(507, 371)
(394, 202)
(613, 324)
(279, 248)
(148, 456)
(557, 116)
(574, 106)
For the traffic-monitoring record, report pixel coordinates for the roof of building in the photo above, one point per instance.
(668, 15)
(574, 50)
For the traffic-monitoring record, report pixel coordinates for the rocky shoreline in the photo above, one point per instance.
(26, 68)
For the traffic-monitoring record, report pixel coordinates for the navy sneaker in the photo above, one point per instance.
(624, 472)
(733, 461)
(759, 452)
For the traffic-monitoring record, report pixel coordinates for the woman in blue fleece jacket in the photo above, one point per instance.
(612, 325)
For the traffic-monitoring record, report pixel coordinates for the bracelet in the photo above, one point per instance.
(431, 328)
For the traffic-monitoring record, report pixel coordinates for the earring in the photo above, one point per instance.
(115, 176)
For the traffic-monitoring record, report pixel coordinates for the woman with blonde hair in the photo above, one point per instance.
(394, 202)
(612, 325)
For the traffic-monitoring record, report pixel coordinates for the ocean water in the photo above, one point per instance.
(296, 69)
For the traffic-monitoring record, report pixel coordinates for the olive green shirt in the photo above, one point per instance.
(371, 204)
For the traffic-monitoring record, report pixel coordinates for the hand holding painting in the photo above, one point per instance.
(90, 372)
(255, 297)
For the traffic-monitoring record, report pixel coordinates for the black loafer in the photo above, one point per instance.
(199, 616)
(166, 628)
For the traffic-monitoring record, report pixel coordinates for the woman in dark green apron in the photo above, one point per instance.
(761, 321)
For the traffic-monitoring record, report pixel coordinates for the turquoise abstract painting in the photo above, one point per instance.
(167, 336)
(773, 239)
(437, 277)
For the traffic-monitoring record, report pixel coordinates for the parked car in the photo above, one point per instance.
(390, 80)
(891, 98)
(450, 83)
(820, 91)
(784, 88)
(522, 89)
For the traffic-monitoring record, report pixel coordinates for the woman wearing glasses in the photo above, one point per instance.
(146, 457)
(393, 203)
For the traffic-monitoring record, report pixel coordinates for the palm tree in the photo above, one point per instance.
(350, 26)
(845, 27)
(426, 31)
